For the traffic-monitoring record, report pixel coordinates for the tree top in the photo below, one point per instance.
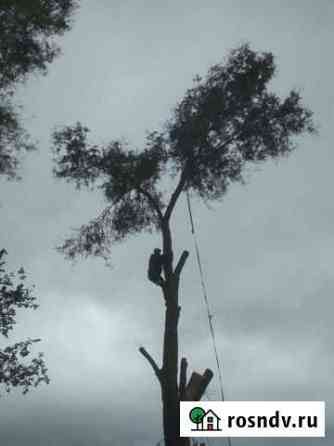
(227, 119)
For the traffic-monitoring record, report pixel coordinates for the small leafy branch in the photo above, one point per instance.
(15, 370)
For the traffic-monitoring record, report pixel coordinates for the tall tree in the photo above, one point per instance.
(225, 121)
(27, 44)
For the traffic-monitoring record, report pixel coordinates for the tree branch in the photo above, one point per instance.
(152, 201)
(176, 194)
(182, 182)
(167, 250)
(154, 365)
(181, 263)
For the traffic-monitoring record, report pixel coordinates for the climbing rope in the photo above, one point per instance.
(206, 300)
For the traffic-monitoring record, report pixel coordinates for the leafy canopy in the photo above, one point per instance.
(27, 31)
(27, 45)
(226, 120)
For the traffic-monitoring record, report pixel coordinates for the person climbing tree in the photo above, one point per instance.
(155, 267)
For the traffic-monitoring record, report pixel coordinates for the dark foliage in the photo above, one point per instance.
(132, 214)
(15, 370)
(226, 120)
(27, 32)
(118, 170)
(13, 138)
(128, 180)
(230, 118)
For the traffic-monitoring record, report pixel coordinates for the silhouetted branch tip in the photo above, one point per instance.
(181, 263)
(152, 362)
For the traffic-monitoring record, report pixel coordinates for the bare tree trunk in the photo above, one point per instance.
(168, 374)
(169, 385)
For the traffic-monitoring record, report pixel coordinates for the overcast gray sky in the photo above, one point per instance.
(267, 248)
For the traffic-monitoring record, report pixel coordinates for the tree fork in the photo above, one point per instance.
(181, 263)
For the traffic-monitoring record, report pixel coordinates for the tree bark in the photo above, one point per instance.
(169, 384)
(168, 374)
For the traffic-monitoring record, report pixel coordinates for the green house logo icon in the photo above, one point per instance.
(204, 421)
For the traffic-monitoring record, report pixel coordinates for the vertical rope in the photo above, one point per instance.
(206, 300)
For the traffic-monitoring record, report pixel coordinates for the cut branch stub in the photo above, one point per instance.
(181, 263)
(197, 385)
(183, 378)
